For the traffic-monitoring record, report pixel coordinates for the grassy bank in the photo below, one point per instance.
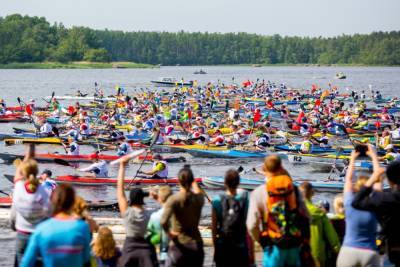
(76, 65)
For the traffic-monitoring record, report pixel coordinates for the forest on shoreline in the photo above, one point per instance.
(25, 39)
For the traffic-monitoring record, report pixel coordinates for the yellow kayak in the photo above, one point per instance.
(46, 140)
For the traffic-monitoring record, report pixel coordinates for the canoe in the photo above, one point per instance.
(5, 202)
(18, 135)
(46, 140)
(92, 181)
(80, 158)
(217, 182)
(230, 153)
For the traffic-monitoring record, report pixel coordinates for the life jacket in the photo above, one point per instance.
(306, 146)
(84, 129)
(280, 221)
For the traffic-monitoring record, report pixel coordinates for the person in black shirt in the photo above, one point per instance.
(386, 205)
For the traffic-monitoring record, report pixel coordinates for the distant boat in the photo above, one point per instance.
(256, 65)
(340, 76)
(168, 82)
(200, 72)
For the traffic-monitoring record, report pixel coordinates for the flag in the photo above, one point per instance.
(257, 116)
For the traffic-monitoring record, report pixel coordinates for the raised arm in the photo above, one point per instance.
(122, 202)
(348, 183)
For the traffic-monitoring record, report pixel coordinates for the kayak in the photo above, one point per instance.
(45, 140)
(315, 149)
(18, 135)
(92, 181)
(81, 158)
(5, 202)
(217, 182)
(230, 153)
(89, 98)
(13, 119)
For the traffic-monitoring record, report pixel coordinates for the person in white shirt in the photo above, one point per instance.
(46, 129)
(99, 167)
(30, 204)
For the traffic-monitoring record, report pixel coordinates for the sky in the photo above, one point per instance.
(285, 17)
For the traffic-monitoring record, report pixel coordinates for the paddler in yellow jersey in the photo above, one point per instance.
(383, 141)
(391, 154)
(306, 145)
(159, 170)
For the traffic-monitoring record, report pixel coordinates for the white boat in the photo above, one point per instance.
(168, 81)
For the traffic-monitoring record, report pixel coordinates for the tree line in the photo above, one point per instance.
(34, 39)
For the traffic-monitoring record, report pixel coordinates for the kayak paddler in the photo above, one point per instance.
(123, 147)
(73, 147)
(159, 170)
(99, 168)
(306, 145)
(45, 128)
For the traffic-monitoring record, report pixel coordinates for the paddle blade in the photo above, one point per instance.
(62, 162)
(53, 94)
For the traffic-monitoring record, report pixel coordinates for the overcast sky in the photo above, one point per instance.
(284, 17)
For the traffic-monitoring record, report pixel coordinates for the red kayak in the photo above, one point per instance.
(82, 180)
(13, 118)
(81, 158)
(88, 180)
(5, 202)
(16, 108)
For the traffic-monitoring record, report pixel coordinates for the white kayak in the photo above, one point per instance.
(88, 98)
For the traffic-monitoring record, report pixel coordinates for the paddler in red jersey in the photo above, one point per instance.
(219, 139)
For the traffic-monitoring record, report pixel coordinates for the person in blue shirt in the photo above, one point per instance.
(359, 244)
(64, 239)
(229, 232)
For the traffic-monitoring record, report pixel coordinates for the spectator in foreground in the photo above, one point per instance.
(81, 210)
(104, 250)
(323, 236)
(282, 247)
(155, 232)
(385, 205)
(181, 220)
(229, 212)
(359, 244)
(137, 251)
(30, 205)
(63, 240)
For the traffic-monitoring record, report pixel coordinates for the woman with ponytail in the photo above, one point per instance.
(181, 218)
(31, 204)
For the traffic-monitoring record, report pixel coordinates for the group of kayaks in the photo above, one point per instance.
(251, 110)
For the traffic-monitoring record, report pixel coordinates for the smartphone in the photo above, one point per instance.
(362, 149)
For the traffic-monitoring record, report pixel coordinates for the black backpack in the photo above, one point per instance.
(233, 218)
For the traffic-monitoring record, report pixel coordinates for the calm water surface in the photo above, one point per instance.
(39, 83)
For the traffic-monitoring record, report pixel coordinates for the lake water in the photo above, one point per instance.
(39, 83)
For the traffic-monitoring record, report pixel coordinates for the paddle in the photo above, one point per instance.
(155, 138)
(51, 98)
(63, 163)
(2, 192)
(339, 150)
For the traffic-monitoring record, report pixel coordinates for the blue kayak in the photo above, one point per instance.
(315, 149)
(229, 153)
(18, 135)
(138, 136)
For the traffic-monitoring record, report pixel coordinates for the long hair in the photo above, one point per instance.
(63, 199)
(29, 170)
(104, 244)
(80, 206)
(186, 178)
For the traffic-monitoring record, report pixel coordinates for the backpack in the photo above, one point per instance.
(233, 218)
(282, 218)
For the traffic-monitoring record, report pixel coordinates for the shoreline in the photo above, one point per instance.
(133, 65)
(77, 65)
